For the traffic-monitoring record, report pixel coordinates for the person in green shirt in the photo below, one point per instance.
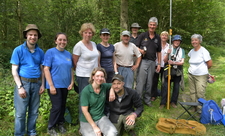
(92, 120)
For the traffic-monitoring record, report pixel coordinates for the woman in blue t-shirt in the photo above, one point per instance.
(106, 51)
(58, 69)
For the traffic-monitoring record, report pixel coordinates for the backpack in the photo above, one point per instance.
(211, 113)
(180, 126)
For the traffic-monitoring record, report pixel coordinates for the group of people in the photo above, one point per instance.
(105, 75)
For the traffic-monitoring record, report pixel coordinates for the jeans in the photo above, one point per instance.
(176, 87)
(104, 124)
(58, 107)
(29, 104)
(128, 76)
(144, 79)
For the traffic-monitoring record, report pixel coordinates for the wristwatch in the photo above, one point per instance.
(20, 86)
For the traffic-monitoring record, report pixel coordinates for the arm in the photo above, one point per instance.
(99, 59)
(114, 63)
(90, 120)
(159, 61)
(72, 80)
(42, 88)
(138, 109)
(21, 91)
(49, 80)
(136, 63)
(209, 64)
(75, 60)
(176, 62)
(112, 95)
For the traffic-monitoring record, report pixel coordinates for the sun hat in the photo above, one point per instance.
(176, 37)
(136, 25)
(126, 33)
(31, 27)
(105, 31)
(118, 77)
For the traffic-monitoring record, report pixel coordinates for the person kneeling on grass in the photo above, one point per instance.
(121, 111)
(93, 122)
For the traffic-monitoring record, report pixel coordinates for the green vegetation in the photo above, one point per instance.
(145, 124)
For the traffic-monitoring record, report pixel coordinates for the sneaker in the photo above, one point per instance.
(62, 129)
(161, 106)
(173, 105)
(52, 132)
(132, 133)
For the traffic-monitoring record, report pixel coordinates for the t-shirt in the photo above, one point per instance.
(153, 45)
(124, 54)
(88, 60)
(94, 101)
(106, 59)
(60, 63)
(197, 61)
(29, 63)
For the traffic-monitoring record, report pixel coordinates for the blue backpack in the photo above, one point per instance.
(211, 113)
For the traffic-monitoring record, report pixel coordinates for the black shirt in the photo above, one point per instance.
(153, 45)
(131, 102)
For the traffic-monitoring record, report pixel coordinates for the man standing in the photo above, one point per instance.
(124, 52)
(28, 75)
(149, 44)
(134, 35)
(134, 32)
(122, 112)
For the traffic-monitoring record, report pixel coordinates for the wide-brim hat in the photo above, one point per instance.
(136, 25)
(31, 27)
(176, 37)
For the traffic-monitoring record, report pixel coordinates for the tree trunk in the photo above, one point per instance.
(19, 22)
(124, 14)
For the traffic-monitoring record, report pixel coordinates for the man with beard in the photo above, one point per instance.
(127, 106)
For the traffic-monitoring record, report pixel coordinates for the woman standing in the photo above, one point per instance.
(165, 46)
(85, 55)
(200, 61)
(93, 122)
(176, 62)
(106, 52)
(58, 69)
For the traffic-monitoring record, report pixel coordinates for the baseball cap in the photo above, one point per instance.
(118, 77)
(105, 31)
(126, 33)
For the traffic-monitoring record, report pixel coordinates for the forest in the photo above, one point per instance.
(205, 17)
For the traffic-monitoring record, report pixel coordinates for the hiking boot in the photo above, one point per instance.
(161, 106)
(52, 132)
(173, 105)
(62, 129)
(132, 133)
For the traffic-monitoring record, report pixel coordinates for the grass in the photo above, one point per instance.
(145, 125)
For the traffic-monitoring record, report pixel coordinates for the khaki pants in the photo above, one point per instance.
(197, 87)
(122, 123)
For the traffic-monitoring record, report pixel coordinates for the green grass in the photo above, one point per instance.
(145, 125)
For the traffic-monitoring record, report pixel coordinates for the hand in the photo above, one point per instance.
(42, 89)
(97, 131)
(170, 62)
(134, 67)
(142, 51)
(70, 86)
(169, 51)
(112, 95)
(158, 69)
(52, 90)
(22, 93)
(130, 120)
